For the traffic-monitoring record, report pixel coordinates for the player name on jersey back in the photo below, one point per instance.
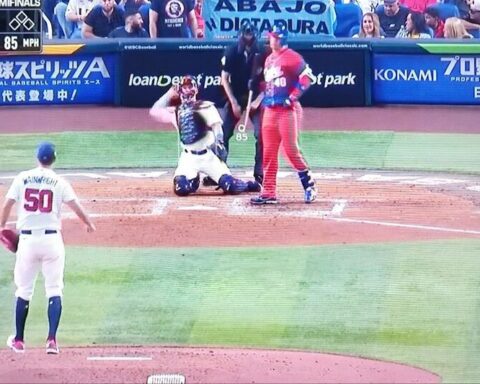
(32, 179)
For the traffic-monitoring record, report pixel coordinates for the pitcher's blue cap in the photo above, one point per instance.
(46, 153)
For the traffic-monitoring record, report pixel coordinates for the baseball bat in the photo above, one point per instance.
(242, 127)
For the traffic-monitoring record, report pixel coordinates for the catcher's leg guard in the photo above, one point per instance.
(183, 187)
(232, 185)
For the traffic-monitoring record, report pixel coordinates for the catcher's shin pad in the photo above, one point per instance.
(9, 239)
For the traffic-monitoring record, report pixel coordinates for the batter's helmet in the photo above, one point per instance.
(280, 32)
(187, 88)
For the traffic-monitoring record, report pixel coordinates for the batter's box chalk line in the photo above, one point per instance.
(240, 207)
(166, 378)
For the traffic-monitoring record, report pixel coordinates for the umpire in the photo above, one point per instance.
(242, 62)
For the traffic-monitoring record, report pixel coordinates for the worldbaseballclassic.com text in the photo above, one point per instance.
(167, 80)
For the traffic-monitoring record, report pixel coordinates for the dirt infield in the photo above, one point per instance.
(349, 210)
(202, 365)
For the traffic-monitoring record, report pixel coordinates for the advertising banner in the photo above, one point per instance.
(426, 79)
(340, 78)
(305, 19)
(77, 79)
(147, 74)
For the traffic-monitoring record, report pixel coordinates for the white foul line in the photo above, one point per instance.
(197, 208)
(239, 208)
(413, 226)
(119, 358)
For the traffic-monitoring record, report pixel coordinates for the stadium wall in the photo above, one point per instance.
(134, 73)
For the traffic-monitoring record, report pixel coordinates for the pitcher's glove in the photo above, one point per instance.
(9, 239)
(219, 149)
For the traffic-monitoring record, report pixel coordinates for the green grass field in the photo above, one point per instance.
(417, 302)
(352, 150)
(411, 302)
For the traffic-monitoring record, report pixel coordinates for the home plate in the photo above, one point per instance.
(166, 378)
(475, 188)
(197, 208)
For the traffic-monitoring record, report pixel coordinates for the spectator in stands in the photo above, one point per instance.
(415, 27)
(103, 19)
(48, 9)
(366, 5)
(392, 17)
(455, 29)
(65, 27)
(472, 21)
(417, 5)
(172, 18)
(199, 17)
(129, 5)
(462, 6)
(133, 26)
(433, 20)
(71, 16)
(142, 6)
(370, 26)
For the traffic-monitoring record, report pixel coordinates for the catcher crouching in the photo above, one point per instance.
(200, 131)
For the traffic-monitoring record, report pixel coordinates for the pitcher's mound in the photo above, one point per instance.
(124, 364)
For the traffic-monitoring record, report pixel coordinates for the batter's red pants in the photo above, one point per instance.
(280, 126)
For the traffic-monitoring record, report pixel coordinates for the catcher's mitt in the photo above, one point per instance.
(9, 239)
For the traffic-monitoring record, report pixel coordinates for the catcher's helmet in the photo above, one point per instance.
(187, 89)
(280, 32)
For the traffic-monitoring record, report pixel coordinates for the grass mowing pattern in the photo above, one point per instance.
(351, 150)
(416, 302)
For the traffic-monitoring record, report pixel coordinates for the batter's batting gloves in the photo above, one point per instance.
(288, 102)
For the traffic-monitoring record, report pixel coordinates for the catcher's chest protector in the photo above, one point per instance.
(191, 125)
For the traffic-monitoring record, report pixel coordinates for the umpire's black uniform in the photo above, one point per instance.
(239, 62)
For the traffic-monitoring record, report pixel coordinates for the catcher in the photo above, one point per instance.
(200, 130)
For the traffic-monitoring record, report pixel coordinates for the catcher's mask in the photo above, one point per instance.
(188, 89)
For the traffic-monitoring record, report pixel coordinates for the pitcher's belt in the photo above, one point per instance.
(47, 231)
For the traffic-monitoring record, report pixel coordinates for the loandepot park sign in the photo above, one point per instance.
(304, 19)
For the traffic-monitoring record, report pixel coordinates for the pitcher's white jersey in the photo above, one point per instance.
(39, 194)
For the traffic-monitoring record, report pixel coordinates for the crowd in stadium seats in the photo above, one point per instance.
(408, 19)
(76, 19)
